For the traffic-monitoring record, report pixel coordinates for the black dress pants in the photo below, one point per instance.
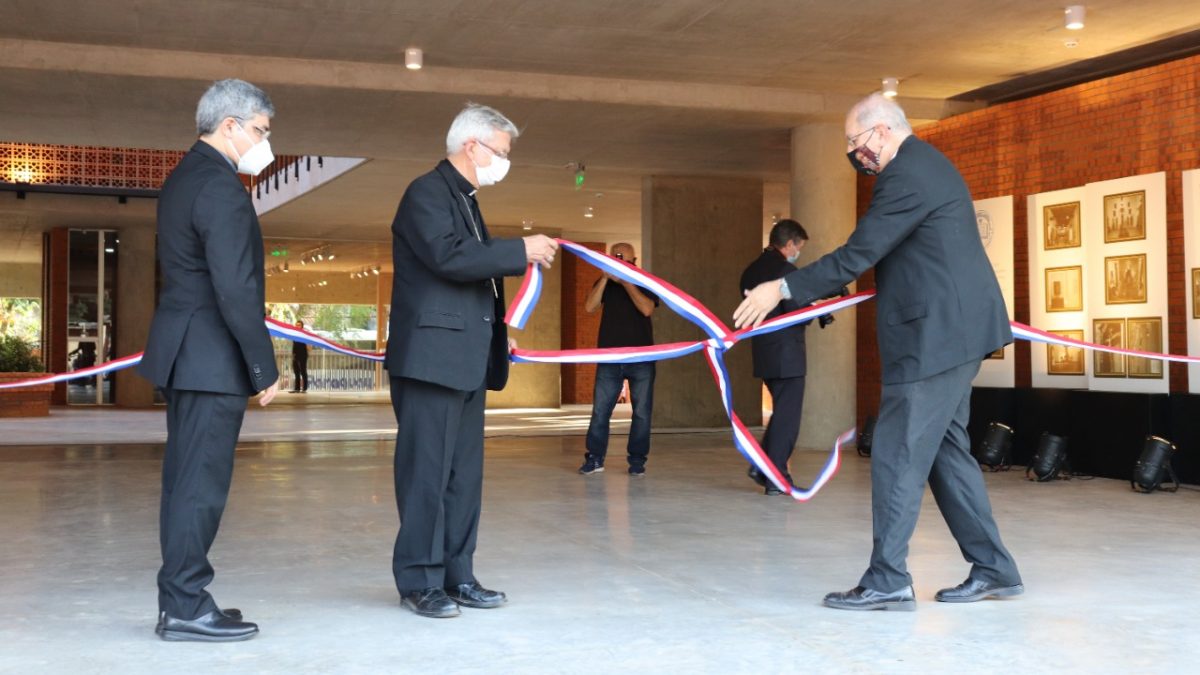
(439, 483)
(202, 432)
(787, 400)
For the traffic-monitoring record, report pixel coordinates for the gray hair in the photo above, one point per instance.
(876, 109)
(230, 98)
(477, 122)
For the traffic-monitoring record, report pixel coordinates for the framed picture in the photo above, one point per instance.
(1196, 293)
(1062, 360)
(1125, 216)
(1110, 333)
(1064, 289)
(1125, 279)
(1060, 226)
(997, 355)
(1145, 335)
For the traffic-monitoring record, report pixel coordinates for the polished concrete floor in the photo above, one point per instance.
(686, 569)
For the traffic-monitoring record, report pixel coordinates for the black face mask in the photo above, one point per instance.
(871, 166)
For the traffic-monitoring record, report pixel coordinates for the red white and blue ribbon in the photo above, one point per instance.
(289, 332)
(93, 371)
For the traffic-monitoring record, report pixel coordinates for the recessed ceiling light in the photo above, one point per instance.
(589, 212)
(890, 87)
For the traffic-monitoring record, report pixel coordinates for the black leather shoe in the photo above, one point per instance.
(756, 476)
(771, 490)
(862, 599)
(474, 595)
(235, 614)
(974, 590)
(211, 627)
(430, 602)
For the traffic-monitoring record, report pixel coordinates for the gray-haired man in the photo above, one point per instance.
(208, 348)
(447, 346)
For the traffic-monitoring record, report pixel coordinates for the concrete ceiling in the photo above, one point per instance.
(629, 88)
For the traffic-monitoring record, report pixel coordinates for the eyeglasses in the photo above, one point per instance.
(850, 140)
(262, 133)
(501, 155)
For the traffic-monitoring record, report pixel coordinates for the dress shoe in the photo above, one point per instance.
(862, 599)
(430, 602)
(235, 614)
(771, 491)
(756, 476)
(474, 595)
(211, 627)
(974, 590)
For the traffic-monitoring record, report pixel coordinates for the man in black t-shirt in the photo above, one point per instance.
(624, 323)
(299, 364)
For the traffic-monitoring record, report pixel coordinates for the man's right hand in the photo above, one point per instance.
(268, 394)
(540, 249)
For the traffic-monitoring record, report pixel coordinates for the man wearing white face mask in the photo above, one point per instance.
(447, 345)
(208, 348)
(780, 358)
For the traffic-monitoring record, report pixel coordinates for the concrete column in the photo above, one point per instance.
(699, 234)
(134, 309)
(383, 298)
(823, 201)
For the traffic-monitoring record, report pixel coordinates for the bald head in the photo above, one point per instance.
(624, 251)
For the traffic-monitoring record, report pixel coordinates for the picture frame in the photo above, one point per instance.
(1110, 333)
(1064, 289)
(1144, 334)
(1125, 216)
(1125, 279)
(1062, 360)
(1196, 293)
(1060, 226)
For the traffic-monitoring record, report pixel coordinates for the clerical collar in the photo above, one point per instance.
(464, 185)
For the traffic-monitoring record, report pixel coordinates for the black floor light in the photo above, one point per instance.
(1154, 462)
(1050, 459)
(995, 450)
(866, 437)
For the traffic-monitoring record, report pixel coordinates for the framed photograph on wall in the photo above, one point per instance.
(1144, 335)
(997, 355)
(1125, 216)
(1125, 279)
(1196, 293)
(1064, 289)
(1110, 333)
(1062, 360)
(1060, 226)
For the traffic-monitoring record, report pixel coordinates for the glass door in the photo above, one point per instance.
(92, 275)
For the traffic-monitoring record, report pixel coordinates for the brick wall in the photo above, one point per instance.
(1139, 122)
(579, 329)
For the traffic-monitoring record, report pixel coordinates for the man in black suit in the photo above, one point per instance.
(939, 313)
(779, 357)
(299, 364)
(447, 346)
(208, 348)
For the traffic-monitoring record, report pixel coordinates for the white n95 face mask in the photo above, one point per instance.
(494, 172)
(257, 158)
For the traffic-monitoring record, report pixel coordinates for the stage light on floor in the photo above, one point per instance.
(1050, 459)
(1152, 465)
(866, 437)
(995, 450)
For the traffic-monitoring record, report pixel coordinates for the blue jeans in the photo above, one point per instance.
(609, 379)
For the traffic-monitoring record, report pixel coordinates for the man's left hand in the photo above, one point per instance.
(512, 345)
(758, 303)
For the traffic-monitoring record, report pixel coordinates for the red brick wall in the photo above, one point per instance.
(1139, 122)
(579, 329)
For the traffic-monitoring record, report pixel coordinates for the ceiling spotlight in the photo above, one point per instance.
(589, 212)
(285, 266)
(331, 256)
(414, 58)
(320, 256)
(890, 85)
(376, 271)
(303, 262)
(1074, 17)
(526, 225)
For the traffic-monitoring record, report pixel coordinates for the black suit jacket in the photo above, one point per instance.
(938, 301)
(208, 332)
(782, 353)
(447, 326)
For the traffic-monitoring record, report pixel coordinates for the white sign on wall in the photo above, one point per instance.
(1191, 257)
(995, 220)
